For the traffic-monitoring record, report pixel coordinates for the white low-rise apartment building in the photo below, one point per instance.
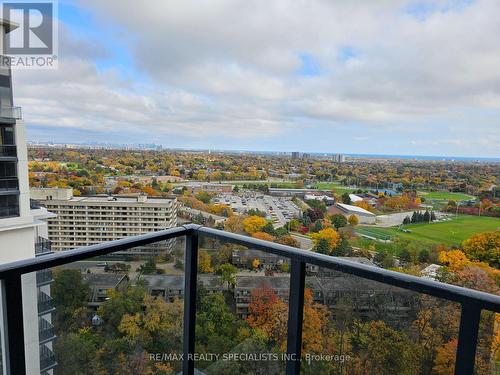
(88, 220)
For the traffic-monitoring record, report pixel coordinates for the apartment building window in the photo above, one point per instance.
(7, 135)
(9, 205)
(8, 176)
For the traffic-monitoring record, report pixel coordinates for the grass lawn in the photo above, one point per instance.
(450, 232)
(340, 189)
(445, 195)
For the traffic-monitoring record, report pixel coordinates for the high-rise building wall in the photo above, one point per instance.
(17, 224)
(89, 220)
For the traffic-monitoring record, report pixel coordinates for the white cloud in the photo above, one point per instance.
(230, 67)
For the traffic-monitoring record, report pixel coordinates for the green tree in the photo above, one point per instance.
(322, 247)
(405, 256)
(148, 268)
(216, 325)
(338, 221)
(70, 293)
(75, 352)
(204, 197)
(227, 274)
(346, 199)
(424, 256)
(119, 303)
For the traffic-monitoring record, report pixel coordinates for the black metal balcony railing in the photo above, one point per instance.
(47, 358)
(45, 303)
(44, 277)
(472, 302)
(45, 331)
(9, 151)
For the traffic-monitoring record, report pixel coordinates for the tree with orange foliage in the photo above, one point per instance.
(289, 241)
(364, 205)
(148, 190)
(263, 236)
(445, 358)
(268, 314)
(255, 263)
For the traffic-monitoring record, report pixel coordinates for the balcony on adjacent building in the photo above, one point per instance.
(42, 246)
(47, 359)
(45, 303)
(44, 277)
(14, 113)
(45, 331)
(379, 291)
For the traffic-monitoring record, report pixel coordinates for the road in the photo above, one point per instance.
(305, 243)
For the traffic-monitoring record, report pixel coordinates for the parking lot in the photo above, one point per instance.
(279, 210)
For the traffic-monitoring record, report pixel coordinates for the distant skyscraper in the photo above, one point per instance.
(338, 158)
(295, 155)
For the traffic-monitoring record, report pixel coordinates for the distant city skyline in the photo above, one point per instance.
(402, 77)
(159, 147)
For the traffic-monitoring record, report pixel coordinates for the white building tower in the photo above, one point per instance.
(19, 229)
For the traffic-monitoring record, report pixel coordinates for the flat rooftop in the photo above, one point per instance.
(118, 199)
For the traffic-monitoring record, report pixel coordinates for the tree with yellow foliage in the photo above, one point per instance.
(455, 259)
(484, 247)
(353, 220)
(330, 236)
(204, 262)
(255, 263)
(253, 224)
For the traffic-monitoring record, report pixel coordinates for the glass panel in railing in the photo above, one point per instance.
(488, 348)
(242, 312)
(356, 326)
(115, 314)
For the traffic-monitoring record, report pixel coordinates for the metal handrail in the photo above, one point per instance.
(472, 301)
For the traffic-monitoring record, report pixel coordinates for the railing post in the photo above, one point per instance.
(190, 279)
(467, 339)
(13, 325)
(295, 316)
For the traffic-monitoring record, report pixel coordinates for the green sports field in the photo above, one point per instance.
(339, 189)
(449, 233)
(445, 195)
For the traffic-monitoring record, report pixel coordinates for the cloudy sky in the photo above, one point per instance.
(358, 76)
